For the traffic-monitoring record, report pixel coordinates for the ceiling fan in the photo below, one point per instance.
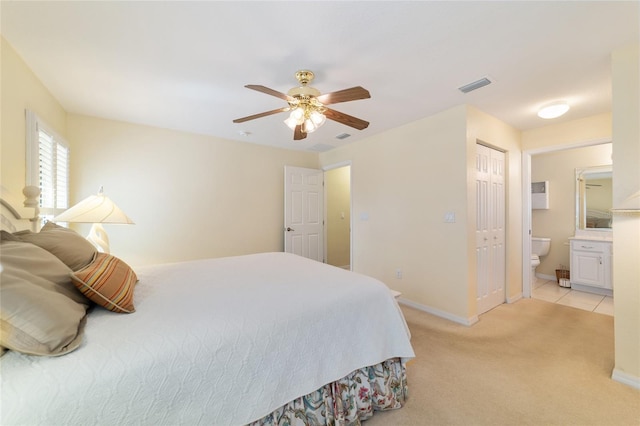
(308, 107)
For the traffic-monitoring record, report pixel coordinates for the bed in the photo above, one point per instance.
(598, 219)
(267, 338)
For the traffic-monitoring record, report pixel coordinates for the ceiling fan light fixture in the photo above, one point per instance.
(309, 126)
(318, 118)
(553, 110)
(307, 106)
(296, 118)
(291, 123)
(308, 116)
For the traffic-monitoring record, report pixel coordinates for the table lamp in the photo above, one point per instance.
(95, 209)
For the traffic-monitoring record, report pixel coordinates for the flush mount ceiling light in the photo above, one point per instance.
(553, 110)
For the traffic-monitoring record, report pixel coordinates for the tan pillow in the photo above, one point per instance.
(69, 246)
(39, 309)
(109, 282)
(26, 260)
(7, 236)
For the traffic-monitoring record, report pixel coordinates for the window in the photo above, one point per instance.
(47, 165)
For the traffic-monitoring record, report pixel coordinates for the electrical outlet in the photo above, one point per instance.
(399, 274)
(450, 217)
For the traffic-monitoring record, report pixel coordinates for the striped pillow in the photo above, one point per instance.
(107, 281)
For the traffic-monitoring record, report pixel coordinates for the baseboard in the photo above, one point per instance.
(591, 289)
(547, 277)
(514, 299)
(439, 313)
(626, 379)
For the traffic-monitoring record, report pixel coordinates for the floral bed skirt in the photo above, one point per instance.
(346, 401)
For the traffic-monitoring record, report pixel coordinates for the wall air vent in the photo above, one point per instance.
(475, 85)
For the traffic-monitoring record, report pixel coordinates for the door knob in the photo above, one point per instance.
(290, 229)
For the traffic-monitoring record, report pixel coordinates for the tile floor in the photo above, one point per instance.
(552, 292)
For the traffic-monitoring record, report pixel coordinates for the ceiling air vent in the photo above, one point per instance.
(343, 136)
(475, 85)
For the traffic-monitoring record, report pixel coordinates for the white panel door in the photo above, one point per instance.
(304, 212)
(490, 222)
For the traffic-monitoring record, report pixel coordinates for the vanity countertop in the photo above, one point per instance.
(608, 237)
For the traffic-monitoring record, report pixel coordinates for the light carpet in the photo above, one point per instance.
(527, 363)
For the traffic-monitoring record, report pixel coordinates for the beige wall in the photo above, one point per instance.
(20, 90)
(626, 229)
(403, 182)
(568, 134)
(191, 196)
(337, 186)
(558, 222)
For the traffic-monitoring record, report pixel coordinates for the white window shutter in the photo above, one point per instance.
(47, 165)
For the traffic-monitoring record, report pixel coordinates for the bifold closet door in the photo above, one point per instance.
(490, 234)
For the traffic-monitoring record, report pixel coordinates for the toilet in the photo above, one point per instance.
(539, 248)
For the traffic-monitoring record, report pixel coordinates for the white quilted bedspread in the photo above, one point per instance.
(216, 341)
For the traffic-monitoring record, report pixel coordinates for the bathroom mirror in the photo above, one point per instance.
(594, 198)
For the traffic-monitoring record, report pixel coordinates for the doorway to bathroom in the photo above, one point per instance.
(559, 220)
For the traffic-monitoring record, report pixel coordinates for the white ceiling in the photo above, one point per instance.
(183, 65)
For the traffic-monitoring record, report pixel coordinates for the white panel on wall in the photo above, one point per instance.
(540, 195)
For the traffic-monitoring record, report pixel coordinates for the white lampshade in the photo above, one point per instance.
(318, 118)
(308, 117)
(295, 118)
(96, 209)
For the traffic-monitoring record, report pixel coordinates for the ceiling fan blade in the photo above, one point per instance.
(262, 114)
(346, 119)
(345, 95)
(268, 91)
(298, 133)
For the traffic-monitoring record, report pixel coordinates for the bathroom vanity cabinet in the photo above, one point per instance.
(591, 265)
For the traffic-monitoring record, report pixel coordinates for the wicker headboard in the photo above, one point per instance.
(16, 214)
